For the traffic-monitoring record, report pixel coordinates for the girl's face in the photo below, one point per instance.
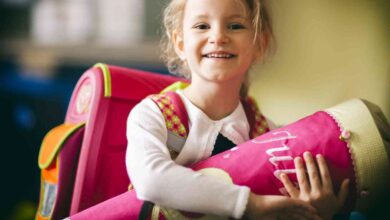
(216, 40)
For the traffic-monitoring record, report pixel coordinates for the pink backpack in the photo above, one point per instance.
(82, 161)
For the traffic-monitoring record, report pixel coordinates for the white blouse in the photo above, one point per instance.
(159, 179)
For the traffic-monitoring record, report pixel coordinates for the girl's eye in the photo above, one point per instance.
(236, 26)
(201, 26)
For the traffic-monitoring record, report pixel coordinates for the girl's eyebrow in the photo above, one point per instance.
(237, 16)
(200, 16)
(203, 16)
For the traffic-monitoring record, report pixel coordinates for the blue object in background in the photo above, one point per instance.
(24, 117)
(357, 216)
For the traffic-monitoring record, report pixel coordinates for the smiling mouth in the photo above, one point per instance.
(219, 55)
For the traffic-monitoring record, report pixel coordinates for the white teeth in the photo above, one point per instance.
(219, 55)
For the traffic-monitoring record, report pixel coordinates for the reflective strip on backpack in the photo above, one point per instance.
(49, 194)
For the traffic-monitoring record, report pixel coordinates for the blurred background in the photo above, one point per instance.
(327, 52)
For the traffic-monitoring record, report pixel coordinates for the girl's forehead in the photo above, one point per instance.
(207, 8)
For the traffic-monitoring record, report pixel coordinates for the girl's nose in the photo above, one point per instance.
(218, 36)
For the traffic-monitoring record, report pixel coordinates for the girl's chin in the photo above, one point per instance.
(219, 77)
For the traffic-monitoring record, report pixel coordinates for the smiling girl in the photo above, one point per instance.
(213, 43)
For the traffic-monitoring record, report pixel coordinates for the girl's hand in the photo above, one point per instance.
(316, 188)
(279, 207)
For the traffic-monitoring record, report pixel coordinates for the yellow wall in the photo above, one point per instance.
(327, 52)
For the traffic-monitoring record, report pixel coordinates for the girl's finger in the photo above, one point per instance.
(289, 186)
(324, 171)
(343, 193)
(314, 177)
(301, 175)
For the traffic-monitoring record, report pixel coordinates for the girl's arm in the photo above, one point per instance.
(316, 186)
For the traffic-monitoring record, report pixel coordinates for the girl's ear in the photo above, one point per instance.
(265, 41)
(178, 42)
(263, 44)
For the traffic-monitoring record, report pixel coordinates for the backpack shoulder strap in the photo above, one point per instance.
(257, 122)
(174, 112)
(176, 120)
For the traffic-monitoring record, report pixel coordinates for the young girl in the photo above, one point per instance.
(214, 44)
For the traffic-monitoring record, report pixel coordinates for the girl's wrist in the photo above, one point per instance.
(254, 202)
(250, 205)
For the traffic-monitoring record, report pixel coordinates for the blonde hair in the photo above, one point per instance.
(173, 21)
